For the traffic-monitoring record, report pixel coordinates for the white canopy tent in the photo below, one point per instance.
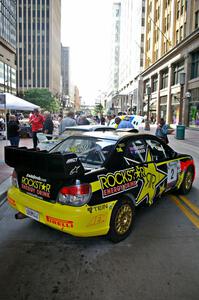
(15, 103)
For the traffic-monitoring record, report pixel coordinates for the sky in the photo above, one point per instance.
(86, 29)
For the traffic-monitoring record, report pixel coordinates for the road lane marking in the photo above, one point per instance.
(186, 211)
(191, 205)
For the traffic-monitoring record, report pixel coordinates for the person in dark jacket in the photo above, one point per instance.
(48, 125)
(13, 131)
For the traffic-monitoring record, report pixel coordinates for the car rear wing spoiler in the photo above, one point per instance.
(52, 165)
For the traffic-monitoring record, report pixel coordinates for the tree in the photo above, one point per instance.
(99, 109)
(43, 98)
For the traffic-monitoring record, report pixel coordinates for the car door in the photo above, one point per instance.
(148, 178)
(164, 159)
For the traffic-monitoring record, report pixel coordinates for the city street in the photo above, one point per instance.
(159, 260)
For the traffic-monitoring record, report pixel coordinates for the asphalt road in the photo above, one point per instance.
(159, 260)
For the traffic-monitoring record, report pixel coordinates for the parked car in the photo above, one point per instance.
(91, 183)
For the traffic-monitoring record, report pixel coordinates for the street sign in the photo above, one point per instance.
(2, 99)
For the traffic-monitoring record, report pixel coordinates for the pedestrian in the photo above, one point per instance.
(48, 124)
(13, 129)
(162, 131)
(36, 121)
(68, 121)
(82, 120)
(125, 123)
(117, 121)
(102, 120)
(2, 123)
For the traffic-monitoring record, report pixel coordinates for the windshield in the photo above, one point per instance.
(91, 151)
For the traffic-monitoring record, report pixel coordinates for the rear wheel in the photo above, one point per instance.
(122, 220)
(186, 185)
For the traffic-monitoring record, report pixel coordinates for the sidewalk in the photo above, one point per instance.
(191, 138)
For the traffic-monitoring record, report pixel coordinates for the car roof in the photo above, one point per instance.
(90, 128)
(113, 135)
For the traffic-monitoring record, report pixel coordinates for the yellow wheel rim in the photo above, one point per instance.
(188, 180)
(123, 219)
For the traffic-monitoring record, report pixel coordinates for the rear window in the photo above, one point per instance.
(91, 151)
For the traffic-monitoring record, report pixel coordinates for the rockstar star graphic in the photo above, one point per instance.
(154, 178)
(43, 187)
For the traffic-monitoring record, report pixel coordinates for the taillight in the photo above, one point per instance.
(75, 195)
(14, 179)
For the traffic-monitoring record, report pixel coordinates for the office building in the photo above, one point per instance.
(172, 60)
(8, 46)
(129, 15)
(65, 51)
(39, 44)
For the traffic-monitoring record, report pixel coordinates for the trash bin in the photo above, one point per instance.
(180, 132)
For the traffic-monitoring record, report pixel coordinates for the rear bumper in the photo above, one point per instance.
(81, 221)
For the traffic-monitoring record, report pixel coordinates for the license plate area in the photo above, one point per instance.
(32, 213)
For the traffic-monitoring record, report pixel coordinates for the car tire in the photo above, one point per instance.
(122, 220)
(187, 182)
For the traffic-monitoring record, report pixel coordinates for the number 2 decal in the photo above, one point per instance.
(172, 172)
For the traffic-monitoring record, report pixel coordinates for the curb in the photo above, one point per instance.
(3, 198)
(3, 190)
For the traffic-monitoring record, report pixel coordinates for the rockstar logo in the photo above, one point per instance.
(153, 179)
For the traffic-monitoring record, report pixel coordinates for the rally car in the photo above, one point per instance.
(90, 183)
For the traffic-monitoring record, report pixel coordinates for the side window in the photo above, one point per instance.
(157, 150)
(135, 151)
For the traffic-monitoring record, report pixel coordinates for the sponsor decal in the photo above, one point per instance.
(119, 149)
(71, 160)
(96, 220)
(36, 185)
(137, 149)
(97, 208)
(74, 170)
(59, 222)
(11, 202)
(35, 177)
(119, 181)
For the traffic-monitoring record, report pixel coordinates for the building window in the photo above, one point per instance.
(185, 29)
(143, 22)
(185, 5)
(150, 7)
(196, 19)
(142, 37)
(146, 84)
(195, 65)
(177, 36)
(181, 33)
(177, 69)
(178, 10)
(154, 83)
(164, 79)
(182, 7)
(156, 54)
(149, 42)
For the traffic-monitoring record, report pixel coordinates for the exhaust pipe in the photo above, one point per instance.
(20, 216)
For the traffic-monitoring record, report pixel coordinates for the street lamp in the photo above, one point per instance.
(148, 92)
(182, 82)
(180, 129)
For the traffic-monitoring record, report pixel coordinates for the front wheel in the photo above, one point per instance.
(187, 182)
(122, 220)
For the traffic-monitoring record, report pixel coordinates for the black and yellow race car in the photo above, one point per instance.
(90, 183)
